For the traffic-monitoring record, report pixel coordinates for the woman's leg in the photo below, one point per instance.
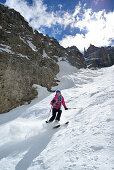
(53, 115)
(59, 114)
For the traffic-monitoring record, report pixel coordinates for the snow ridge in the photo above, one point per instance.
(87, 143)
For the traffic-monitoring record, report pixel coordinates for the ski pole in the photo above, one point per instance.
(49, 113)
(74, 108)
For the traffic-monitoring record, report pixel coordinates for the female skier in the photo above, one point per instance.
(56, 107)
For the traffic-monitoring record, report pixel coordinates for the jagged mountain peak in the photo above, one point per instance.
(99, 56)
(92, 48)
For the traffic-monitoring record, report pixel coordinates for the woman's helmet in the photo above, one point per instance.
(58, 91)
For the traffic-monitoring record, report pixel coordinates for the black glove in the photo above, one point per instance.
(66, 108)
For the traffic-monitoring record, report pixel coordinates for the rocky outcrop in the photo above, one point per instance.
(99, 56)
(75, 57)
(28, 57)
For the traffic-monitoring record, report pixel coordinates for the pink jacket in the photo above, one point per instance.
(56, 102)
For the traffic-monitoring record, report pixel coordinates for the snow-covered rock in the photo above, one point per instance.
(6, 48)
(27, 57)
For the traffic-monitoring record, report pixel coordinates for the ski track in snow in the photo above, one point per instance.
(86, 143)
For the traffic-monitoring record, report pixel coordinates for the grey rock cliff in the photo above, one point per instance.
(28, 57)
(76, 58)
(99, 56)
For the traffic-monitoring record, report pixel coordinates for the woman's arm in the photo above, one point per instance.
(53, 101)
(63, 103)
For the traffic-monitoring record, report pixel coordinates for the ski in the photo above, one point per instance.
(47, 121)
(57, 126)
(66, 122)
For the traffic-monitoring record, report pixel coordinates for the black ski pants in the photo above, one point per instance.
(56, 114)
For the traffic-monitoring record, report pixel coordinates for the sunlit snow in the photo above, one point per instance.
(86, 143)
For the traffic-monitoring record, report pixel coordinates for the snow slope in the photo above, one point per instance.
(86, 143)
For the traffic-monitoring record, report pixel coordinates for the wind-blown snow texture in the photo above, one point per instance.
(86, 143)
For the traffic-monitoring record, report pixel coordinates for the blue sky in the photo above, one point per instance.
(71, 22)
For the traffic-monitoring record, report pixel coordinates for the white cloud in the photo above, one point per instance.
(76, 40)
(60, 6)
(77, 10)
(36, 14)
(98, 27)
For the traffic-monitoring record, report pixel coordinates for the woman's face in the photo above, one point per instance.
(58, 94)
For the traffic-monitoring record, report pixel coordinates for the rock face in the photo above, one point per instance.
(28, 57)
(76, 58)
(99, 57)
